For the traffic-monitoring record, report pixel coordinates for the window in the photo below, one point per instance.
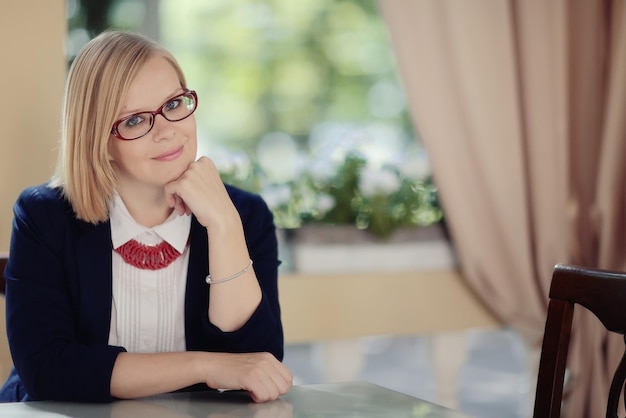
(296, 97)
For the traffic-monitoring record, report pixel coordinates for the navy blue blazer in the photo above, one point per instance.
(59, 295)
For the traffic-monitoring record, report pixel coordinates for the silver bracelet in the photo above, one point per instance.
(234, 276)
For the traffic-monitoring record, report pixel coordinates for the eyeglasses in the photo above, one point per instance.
(139, 124)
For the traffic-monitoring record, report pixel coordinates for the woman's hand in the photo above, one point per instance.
(200, 190)
(261, 374)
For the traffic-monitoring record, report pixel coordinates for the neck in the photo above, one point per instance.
(147, 207)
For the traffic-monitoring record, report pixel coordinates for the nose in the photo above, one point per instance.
(162, 128)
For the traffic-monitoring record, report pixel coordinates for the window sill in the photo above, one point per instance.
(333, 249)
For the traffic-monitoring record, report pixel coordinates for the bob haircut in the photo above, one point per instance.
(97, 83)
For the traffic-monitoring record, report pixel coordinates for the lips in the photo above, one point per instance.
(170, 155)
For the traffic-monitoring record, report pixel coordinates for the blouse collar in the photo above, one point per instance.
(175, 229)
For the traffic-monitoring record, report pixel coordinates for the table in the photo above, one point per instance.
(333, 400)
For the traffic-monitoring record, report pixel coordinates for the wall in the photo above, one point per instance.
(336, 306)
(31, 81)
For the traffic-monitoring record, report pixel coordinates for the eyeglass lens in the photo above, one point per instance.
(139, 124)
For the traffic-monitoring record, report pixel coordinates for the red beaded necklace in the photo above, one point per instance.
(148, 257)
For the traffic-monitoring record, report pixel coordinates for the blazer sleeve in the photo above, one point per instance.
(263, 331)
(52, 360)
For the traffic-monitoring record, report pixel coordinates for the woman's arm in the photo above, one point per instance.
(233, 302)
(57, 351)
(200, 190)
(263, 331)
(261, 374)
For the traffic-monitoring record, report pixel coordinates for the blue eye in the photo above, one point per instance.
(134, 121)
(139, 124)
(172, 104)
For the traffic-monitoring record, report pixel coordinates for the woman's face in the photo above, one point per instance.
(164, 153)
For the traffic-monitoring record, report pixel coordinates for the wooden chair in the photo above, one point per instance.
(4, 258)
(5, 356)
(604, 294)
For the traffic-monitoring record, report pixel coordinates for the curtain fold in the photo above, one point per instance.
(520, 107)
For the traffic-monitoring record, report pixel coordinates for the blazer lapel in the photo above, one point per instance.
(196, 308)
(93, 260)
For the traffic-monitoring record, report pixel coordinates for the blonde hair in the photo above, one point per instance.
(98, 81)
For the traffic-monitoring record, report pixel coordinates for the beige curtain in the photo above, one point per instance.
(521, 106)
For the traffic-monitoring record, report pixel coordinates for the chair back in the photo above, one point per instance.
(4, 258)
(5, 356)
(604, 294)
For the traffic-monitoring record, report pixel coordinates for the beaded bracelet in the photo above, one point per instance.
(234, 276)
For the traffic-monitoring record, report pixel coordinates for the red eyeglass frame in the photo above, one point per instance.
(159, 111)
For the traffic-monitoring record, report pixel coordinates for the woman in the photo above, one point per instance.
(108, 288)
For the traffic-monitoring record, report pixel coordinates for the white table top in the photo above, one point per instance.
(353, 399)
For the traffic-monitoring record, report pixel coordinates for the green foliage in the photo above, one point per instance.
(379, 200)
(282, 66)
(304, 70)
(284, 88)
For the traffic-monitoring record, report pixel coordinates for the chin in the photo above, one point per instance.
(174, 175)
(179, 169)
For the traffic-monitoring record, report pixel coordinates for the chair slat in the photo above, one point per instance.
(603, 293)
(4, 258)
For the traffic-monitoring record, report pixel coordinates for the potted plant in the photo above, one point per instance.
(350, 207)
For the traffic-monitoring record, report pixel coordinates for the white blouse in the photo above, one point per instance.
(148, 310)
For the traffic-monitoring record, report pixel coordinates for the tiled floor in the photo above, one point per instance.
(482, 373)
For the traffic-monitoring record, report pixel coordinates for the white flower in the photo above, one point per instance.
(277, 195)
(277, 156)
(321, 179)
(325, 203)
(321, 171)
(236, 164)
(308, 198)
(375, 182)
(415, 168)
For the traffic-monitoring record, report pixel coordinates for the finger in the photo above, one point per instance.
(180, 206)
(287, 375)
(283, 383)
(284, 377)
(170, 199)
(276, 377)
(184, 209)
(264, 389)
(261, 395)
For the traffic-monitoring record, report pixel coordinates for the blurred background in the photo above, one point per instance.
(298, 101)
(426, 272)
(288, 92)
